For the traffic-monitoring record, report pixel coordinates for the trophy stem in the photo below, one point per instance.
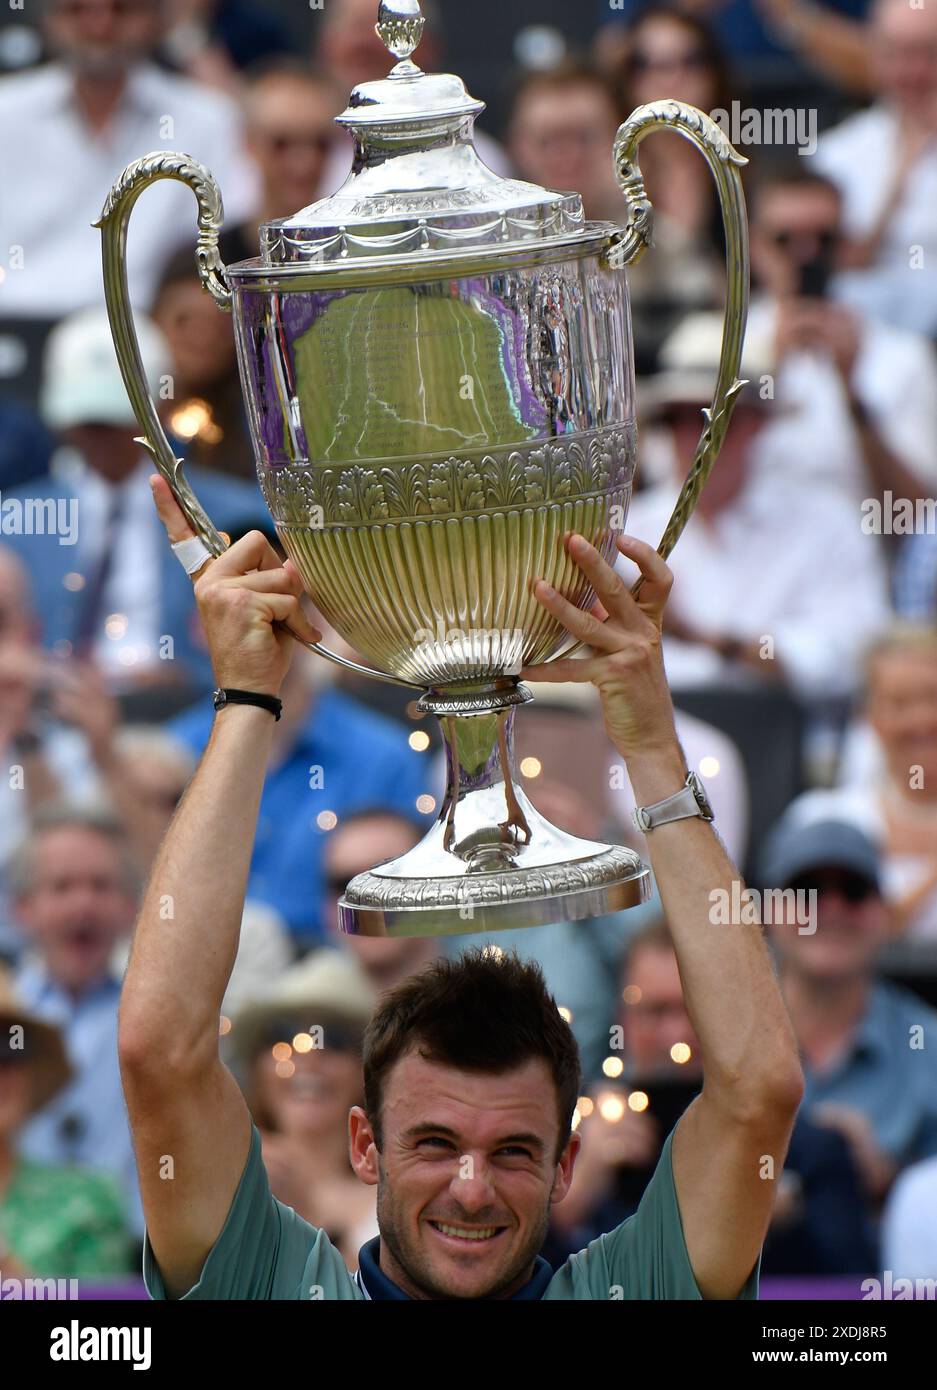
(491, 861)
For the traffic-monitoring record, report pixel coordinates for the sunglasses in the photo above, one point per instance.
(336, 1036)
(281, 143)
(853, 887)
(784, 239)
(692, 59)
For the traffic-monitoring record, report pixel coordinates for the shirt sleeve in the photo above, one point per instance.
(262, 1252)
(643, 1258)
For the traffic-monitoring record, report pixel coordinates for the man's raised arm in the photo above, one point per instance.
(730, 1144)
(184, 1105)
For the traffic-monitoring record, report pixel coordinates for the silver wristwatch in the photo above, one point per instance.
(690, 800)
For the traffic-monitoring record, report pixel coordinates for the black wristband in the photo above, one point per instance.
(222, 697)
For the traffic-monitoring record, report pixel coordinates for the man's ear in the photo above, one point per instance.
(563, 1180)
(362, 1149)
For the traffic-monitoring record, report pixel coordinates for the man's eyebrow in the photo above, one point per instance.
(425, 1127)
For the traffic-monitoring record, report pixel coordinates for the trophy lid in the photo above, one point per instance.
(418, 190)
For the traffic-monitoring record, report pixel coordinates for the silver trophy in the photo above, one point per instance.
(437, 365)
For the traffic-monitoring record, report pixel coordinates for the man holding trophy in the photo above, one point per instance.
(470, 1072)
(439, 378)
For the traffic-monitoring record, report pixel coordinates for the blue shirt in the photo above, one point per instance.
(886, 1076)
(86, 1122)
(344, 758)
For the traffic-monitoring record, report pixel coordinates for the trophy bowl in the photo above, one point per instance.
(438, 373)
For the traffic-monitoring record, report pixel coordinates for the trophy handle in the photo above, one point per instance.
(635, 238)
(113, 222)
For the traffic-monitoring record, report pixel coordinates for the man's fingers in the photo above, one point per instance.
(251, 552)
(585, 626)
(656, 574)
(567, 669)
(283, 580)
(170, 513)
(286, 609)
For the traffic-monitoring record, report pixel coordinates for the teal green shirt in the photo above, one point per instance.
(266, 1251)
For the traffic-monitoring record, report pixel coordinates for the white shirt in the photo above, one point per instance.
(132, 592)
(895, 377)
(860, 155)
(55, 174)
(909, 1227)
(785, 561)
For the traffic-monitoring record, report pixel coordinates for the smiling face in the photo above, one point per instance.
(313, 1099)
(466, 1176)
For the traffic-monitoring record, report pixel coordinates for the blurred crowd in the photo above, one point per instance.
(800, 639)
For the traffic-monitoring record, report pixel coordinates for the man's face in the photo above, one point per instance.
(727, 481)
(290, 133)
(795, 225)
(562, 139)
(904, 49)
(902, 707)
(102, 38)
(654, 1016)
(851, 927)
(466, 1176)
(350, 850)
(78, 907)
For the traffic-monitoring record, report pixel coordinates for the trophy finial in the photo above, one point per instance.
(400, 26)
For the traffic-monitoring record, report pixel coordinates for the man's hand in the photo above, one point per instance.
(625, 633)
(249, 604)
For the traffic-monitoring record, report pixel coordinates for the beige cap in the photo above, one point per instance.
(81, 380)
(689, 363)
(325, 985)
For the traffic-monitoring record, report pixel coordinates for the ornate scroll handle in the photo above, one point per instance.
(724, 162)
(115, 216)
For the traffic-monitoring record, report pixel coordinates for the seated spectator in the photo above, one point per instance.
(289, 131)
(298, 1045)
(26, 446)
(55, 1222)
(46, 756)
(866, 1075)
(884, 160)
(109, 588)
(909, 1225)
(891, 793)
(561, 132)
(369, 836)
(819, 1224)
(742, 608)
(207, 412)
(332, 756)
(669, 54)
(863, 389)
(69, 129)
(74, 889)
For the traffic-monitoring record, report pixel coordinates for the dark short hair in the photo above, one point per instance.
(486, 1011)
(557, 80)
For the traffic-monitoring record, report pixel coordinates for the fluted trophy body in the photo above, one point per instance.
(438, 373)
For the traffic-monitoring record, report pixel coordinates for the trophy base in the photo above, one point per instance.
(491, 861)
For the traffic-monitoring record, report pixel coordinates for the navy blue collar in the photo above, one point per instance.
(377, 1285)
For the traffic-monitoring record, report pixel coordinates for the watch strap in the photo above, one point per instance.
(690, 800)
(227, 695)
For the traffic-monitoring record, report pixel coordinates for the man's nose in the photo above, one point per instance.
(472, 1186)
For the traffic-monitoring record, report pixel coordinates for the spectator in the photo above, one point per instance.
(55, 1222)
(867, 390)
(884, 160)
(315, 1016)
(289, 131)
(74, 890)
(671, 54)
(819, 1224)
(909, 1226)
(26, 446)
(81, 118)
(867, 1072)
(892, 797)
(742, 608)
(106, 584)
(207, 411)
(331, 756)
(562, 129)
(46, 757)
